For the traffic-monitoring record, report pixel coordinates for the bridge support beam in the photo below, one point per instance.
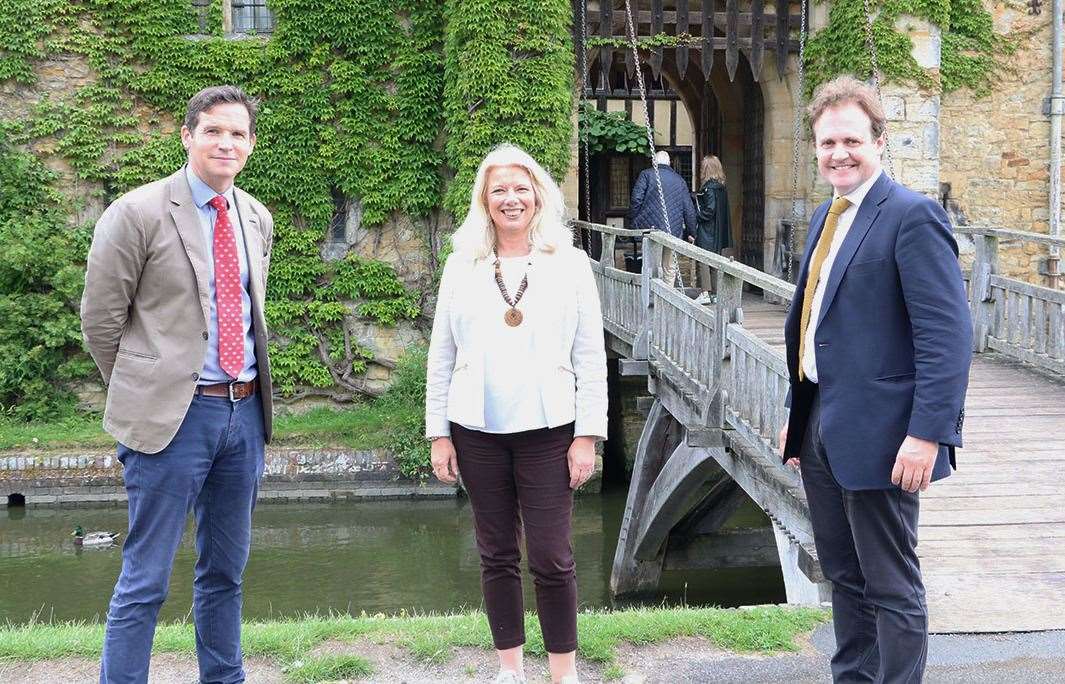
(631, 576)
(795, 562)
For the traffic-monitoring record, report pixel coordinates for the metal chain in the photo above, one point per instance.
(630, 27)
(584, 111)
(870, 45)
(797, 215)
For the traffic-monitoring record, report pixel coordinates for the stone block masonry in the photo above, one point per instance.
(95, 479)
(995, 154)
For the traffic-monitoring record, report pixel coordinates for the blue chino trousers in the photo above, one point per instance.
(212, 467)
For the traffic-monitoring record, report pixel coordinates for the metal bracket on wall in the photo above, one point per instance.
(1054, 105)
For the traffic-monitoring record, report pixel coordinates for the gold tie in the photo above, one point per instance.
(824, 243)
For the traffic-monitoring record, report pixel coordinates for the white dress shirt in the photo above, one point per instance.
(809, 358)
(511, 390)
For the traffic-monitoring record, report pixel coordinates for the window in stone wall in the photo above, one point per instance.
(339, 223)
(251, 16)
(239, 17)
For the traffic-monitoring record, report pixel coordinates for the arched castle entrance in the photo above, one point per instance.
(729, 100)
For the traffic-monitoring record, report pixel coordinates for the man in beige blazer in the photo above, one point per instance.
(173, 316)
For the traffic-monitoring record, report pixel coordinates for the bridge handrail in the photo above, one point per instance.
(1007, 234)
(608, 230)
(1019, 319)
(731, 267)
(747, 274)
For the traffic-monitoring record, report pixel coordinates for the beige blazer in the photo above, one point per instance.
(145, 307)
(562, 306)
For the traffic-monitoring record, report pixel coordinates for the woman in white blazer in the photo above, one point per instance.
(516, 396)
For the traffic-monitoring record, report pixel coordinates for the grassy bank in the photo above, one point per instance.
(362, 426)
(292, 643)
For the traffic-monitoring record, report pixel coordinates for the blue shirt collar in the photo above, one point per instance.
(202, 193)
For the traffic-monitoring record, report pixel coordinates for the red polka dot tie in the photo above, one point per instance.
(227, 292)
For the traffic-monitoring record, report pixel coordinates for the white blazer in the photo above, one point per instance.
(561, 304)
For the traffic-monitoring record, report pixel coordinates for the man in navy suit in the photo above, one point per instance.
(879, 342)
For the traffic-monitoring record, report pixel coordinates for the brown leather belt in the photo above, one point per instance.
(234, 391)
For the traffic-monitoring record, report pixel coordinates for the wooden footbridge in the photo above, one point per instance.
(992, 536)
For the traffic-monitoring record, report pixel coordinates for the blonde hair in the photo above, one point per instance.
(548, 229)
(710, 168)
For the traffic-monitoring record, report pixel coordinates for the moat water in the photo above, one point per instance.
(373, 557)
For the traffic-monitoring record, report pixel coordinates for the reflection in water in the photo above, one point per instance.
(378, 556)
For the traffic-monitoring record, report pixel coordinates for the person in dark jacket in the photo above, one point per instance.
(646, 208)
(713, 228)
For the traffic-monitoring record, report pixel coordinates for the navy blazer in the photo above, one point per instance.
(894, 341)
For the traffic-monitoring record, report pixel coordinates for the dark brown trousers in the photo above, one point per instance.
(515, 481)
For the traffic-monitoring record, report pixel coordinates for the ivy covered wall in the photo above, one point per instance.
(369, 109)
(971, 51)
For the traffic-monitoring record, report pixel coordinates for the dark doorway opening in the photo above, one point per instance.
(16, 501)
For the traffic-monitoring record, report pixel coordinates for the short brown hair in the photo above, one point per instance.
(209, 97)
(847, 90)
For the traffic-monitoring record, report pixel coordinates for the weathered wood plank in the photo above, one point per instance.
(970, 600)
(994, 533)
(671, 497)
(1003, 234)
(757, 38)
(732, 50)
(657, 26)
(744, 548)
(707, 55)
(782, 7)
(1041, 360)
(628, 575)
(671, 18)
(606, 17)
(682, 28)
(955, 518)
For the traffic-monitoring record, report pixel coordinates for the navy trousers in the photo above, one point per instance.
(212, 467)
(867, 544)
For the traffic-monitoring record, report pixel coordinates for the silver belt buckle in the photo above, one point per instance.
(230, 387)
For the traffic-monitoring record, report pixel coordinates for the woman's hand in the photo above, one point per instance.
(445, 461)
(581, 458)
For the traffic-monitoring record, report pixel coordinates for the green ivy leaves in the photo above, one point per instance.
(970, 48)
(611, 132)
(509, 78)
(351, 96)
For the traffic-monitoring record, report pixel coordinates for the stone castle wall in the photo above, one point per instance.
(995, 152)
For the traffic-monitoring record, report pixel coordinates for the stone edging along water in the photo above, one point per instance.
(292, 474)
(90, 478)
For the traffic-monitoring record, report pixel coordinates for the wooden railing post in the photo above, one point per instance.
(981, 304)
(726, 310)
(652, 256)
(606, 252)
(727, 307)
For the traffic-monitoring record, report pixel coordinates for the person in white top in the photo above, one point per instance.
(516, 396)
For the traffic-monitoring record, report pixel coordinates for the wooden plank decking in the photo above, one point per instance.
(992, 536)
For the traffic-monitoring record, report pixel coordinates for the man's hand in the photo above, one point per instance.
(581, 458)
(445, 461)
(691, 239)
(913, 465)
(783, 438)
